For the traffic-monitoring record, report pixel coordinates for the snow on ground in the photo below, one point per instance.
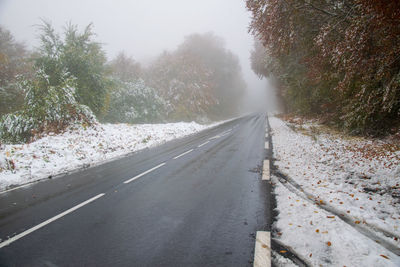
(81, 147)
(280, 261)
(351, 178)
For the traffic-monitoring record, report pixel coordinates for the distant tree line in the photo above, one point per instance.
(68, 80)
(339, 59)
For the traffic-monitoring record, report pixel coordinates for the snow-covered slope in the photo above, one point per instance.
(81, 147)
(338, 198)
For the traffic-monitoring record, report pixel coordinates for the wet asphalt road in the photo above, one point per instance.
(202, 208)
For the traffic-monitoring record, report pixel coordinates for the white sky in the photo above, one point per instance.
(142, 29)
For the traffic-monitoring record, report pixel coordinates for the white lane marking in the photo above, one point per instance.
(220, 135)
(144, 173)
(262, 250)
(184, 153)
(265, 172)
(214, 137)
(227, 131)
(266, 145)
(205, 143)
(15, 188)
(224, 134)
(40, 225)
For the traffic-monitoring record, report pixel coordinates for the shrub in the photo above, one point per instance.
(46, 108)
(135, 102)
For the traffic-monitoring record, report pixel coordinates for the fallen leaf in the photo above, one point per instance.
(357, 222)
(329, 243)
(282, 251)
(330, 217)
(317, 230)
(386, 257)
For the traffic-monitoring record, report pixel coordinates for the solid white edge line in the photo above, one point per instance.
(266, 172)
(15, 188)
(27, 232)
(262, 250)
(205, 143)
(184, 153)
(144, 173)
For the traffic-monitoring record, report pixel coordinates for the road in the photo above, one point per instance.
(196, 201)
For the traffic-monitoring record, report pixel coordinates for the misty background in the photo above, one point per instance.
(144, 29)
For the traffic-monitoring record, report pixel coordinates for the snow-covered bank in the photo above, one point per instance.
(350, 178)
(80, 147)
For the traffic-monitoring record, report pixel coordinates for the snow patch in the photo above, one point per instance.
(341, 174)
(81, 147)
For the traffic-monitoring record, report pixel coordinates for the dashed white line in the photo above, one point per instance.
(205, 143)
(266, 145)
(220, 135)
(27, 232)
(262, 251)
(226, 132)
(266, 173)
(144, 173)
(184, 153)
(214, 137)
(223, 134)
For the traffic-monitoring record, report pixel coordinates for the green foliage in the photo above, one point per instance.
(134, 102)
(81, 57)
(14, 63)
(47, 108)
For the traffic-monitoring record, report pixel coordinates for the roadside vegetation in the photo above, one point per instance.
(69, 80)
(336, 60)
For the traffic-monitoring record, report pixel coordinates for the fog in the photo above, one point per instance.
(143, 29)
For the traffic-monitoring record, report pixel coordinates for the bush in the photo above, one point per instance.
(135, 102)
(46, 108)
